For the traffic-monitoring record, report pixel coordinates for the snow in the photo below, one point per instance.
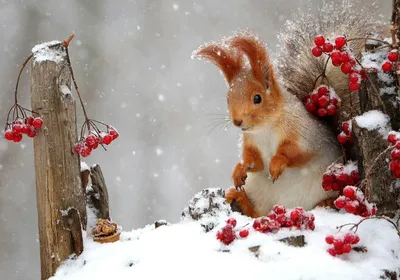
(185, 250)
(42, 52)
(84, 166)
(374, 119)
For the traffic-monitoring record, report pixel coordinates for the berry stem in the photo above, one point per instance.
(356, 225)
(65, 44)
(322, 75)
(19, 76)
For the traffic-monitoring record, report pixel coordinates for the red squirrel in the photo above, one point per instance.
(285, 149)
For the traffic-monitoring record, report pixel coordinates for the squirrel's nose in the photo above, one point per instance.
(237, 122)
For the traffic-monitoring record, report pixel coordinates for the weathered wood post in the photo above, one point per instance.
(60, 199)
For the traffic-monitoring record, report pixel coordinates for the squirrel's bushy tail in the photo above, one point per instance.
(298, 68)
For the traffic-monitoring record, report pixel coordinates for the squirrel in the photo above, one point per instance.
(285, 149)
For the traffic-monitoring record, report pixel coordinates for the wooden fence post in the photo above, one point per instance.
(57, 167)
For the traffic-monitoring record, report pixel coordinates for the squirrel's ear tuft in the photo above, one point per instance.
(228, 61)
(256, 53)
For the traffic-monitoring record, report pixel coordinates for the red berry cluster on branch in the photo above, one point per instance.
(342, 244)
(345, 134)
(322, 101)
(279, 218)
(20, 123)
(392, 58)
(338, 176)
(228, 234)
(394, 164)
(354, 202)
(94, 137)
(341, 57)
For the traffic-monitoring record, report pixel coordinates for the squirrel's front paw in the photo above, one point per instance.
(277, 166)
(239, 175)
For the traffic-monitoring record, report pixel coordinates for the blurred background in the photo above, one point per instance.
(133, 67)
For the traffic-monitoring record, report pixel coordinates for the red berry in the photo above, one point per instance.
(244, 233)
(315, 97)
(327, 47)
(354, 77)
(78, 147)
(232, 222)
(356, 239)
(322, 112)
(17, 137)
(32, 133)
(342, 138)
(26, 129)
(294, 216)
(393, 56)
(395, 154)
(331, 110)
(310, 107)
(397, 145)
(328, 178)
(85, 151)
(107, 139)
(337, 56)
(351, 206)
(340, 41)
(316, 51)
(91, 140)
(17, 128)
(343, 177)
(334, 101)
(226, 235)
(346, 68)
(332, 252)
(37, 123)
(348, 238)
(323, 101)
(272, 215)
(256, 224)
(387, 66)
(349, 192)
(346, 248)
(355, 175)
(322, 90)
(113, 133)
(345, 57)
(354, 86)
(9, 135)
(319, 40)
(338, 244)
(392, 138)
(29, 120)
(329, 239)
(279, 209)
(340, 203)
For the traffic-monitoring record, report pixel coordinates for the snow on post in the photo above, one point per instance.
(58, 184)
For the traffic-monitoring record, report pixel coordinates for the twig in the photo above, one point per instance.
(322, 75)
(19, 76)
(356, 225)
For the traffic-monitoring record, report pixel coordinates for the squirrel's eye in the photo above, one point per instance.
(257, 99)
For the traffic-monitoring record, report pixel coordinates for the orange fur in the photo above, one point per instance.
(252, 162)
(230, 63)
(288, 154)
(327, 203)
(242, 200)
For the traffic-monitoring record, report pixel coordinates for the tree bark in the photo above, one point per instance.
(97, 195)
(58, 184)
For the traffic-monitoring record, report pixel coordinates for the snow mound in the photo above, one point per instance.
(184, 251)
(374, 119)
(42, 52)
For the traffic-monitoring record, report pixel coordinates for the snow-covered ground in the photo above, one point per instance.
(185, 251)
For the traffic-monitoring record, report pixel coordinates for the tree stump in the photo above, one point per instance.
(58, 184)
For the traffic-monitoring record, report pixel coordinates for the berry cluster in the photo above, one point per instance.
(392, 57)
(227, 234)
(93, 139)
(28, 125)
(345, 134)
(279, 217)
(342, 244)
(354, 202)
(322, 102)
(339, 176)
(394, 164)
(340, 57)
